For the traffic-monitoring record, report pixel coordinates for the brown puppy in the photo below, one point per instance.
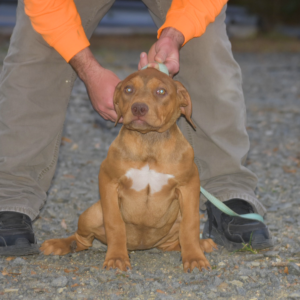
(149, 184)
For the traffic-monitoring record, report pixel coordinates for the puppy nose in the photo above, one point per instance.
(139, 109)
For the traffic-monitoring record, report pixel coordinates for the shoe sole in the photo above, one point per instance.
(258, 243)
(19, 250)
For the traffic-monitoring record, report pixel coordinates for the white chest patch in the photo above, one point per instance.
(141, 178)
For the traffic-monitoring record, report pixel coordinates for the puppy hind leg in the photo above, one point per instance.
(170, 246)
(207, 245)
(62, 246)
(90, 224)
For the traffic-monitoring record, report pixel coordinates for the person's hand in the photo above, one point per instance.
(100, 83)
(165, 50)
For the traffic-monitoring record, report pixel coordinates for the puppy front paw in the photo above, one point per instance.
(119, 262)
(195, 261)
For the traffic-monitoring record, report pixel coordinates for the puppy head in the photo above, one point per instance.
(149, 100)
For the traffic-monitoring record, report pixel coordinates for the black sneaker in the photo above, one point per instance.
(234, 232)
(16, 235)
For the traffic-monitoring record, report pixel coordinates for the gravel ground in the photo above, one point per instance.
(272, 90)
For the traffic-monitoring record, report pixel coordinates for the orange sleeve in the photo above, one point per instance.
(59, 24)
(191, 17)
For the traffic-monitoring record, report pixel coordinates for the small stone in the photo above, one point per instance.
(293, 269)
(221, 264)
(290, 220)
(139, 289)
(264, 265)
(273, 227)
(51, 213)
(19, 261)
(83, 269)
(60, 290)
(255, 264)
(103, 278)
(93, 282)
(262, 273)
(11, 290)
(46, 228)
(134, 276)
(294, 296)
(114, 297)
(241, 291)
(93, 270)
(237, 282)
(217, 281)
(271, 254)
(245, 272)
(280, 206)
(223, 285)
(211, 295)
(245, 278)
(291, 278)
(189, 288)
(253, 257)
(226, 295)
(60, 281)
(1, 277)
(274, 279)
(268, 132)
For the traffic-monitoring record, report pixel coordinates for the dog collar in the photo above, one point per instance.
(161, 67)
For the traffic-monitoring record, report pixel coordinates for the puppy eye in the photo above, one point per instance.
(128, 89)
(161, 92)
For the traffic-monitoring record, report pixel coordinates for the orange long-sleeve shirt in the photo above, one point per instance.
(60, 25)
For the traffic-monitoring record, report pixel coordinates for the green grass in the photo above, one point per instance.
(247, 247)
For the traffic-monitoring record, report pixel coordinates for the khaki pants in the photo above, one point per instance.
(35, 87)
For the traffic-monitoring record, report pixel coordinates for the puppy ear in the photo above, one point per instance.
(185, 102)
(117, 96)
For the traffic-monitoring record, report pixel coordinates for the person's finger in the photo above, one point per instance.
(106, 113)
(161, 56)
(143, 60)
(153, 65)
(172, 67)
(113, 116)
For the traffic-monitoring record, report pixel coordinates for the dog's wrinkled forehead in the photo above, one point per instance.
(149, 77)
